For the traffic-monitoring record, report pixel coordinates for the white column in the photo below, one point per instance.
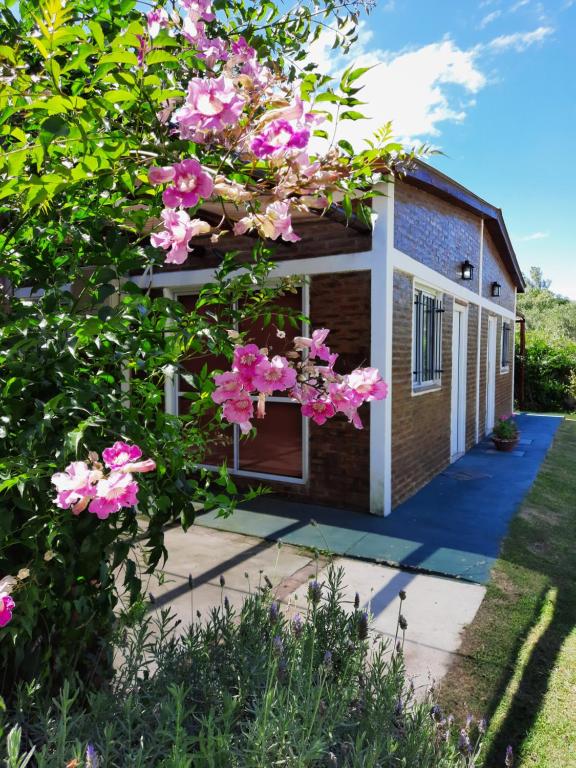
(479, 333)
(170, 394)
(381, 304)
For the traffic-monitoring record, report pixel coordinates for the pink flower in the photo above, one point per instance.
(191, 183)
(246, 359)
(239, 410)
(179, 229)
(368, 383)
(7, 605)
(278, 137)
(229, 385)
(112, 493)
(316, 345)
(75, 486)
(279, 214)
(120, 454)
(275, 374)
(148, 465)
(294, 111)
(156, 19)
(199, 9)
(213, 50)
(211, 105)
(347, 401)
(161, 174)
(319, 410)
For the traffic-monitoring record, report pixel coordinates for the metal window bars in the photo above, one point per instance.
(428, 312)
(505, 356)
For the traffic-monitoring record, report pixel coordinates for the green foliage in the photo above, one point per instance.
(550, 373)
(505, 428)
(546, 312)
(248, 690)
(85, 351)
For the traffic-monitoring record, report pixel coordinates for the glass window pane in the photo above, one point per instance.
(266, 336)
(277, 448)
(221, 446)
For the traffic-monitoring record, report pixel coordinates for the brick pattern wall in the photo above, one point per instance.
(483, 366)
(504, 400)
(436, 233)
(339, 454)
(493, 270)
(421, 423)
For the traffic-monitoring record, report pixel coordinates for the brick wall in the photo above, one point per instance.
(420, 423)
(339, 454)
(504, 401)
(493, 270)
(436, 233)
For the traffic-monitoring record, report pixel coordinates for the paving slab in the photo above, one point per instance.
(436, 609)
(452, 527)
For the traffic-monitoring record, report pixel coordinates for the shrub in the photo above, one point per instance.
(248, 690)
(550, 374)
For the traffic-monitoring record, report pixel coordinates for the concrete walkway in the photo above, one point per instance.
(437, 609)
(452, 527)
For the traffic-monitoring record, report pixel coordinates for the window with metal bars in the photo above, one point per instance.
(505, 355)
(427, 339)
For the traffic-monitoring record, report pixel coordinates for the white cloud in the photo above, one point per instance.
(520, 41)
(419, 89)
(410, 87)
(489, 18)
(533, 236)
(518, 5)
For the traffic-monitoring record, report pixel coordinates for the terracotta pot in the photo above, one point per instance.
(505, 445)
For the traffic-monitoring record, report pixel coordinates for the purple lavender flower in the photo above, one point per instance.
(469, 721)
(356, 601)
(436, 713)
(327, 661)
(482, 725)
(314, 592)
(464, 745)
(91, 757)
(226, 604)
(273, 612)
(509, 761)
(297, 625)
(278, 645)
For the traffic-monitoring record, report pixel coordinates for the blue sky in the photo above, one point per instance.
(492, 83)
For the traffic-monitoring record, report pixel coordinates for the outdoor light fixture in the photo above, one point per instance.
(496, 289)
(467, 270)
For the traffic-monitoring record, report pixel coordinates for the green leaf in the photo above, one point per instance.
(97, 33)
(161, 57)
(120, 57)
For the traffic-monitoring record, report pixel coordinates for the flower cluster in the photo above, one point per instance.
(321, 392)
(506, 428)
(84, 484)
(7, 604)
(239, 106)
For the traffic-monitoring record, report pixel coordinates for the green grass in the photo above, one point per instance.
(518, 658)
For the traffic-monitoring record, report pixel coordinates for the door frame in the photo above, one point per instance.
(491, 369)
(458, 400)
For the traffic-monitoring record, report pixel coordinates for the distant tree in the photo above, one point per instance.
(547, 312)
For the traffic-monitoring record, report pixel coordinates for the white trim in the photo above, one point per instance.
(513, 361)
(479, 336)
(425, 390)
(317, 265)
(381, 318)
(171, 381)
(491, 373)
(421, 272)
(460, 382)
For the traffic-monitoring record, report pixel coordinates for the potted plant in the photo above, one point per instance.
(506, 433)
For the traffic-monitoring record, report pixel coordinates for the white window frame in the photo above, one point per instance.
(235, 469)
(434, 384)
(504, 322)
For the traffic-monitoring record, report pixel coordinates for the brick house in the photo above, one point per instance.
(428, 297)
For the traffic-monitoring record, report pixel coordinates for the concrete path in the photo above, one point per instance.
(452, 527)
(436, 609)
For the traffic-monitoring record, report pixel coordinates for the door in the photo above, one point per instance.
(459, 366)
(491, 375)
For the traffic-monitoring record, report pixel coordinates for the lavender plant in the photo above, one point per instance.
(248, 690)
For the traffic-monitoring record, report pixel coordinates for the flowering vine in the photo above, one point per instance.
(321, 392)
(84, 484)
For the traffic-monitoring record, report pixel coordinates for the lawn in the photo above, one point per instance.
(518, 658)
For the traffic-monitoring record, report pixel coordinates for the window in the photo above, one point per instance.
(427, 339)
(278, 450)
(505, 356)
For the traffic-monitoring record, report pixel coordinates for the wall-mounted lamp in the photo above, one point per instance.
(496, 287)
(467, 270)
